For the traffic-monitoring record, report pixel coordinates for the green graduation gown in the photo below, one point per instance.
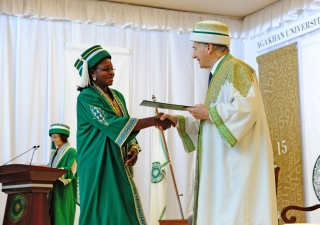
(63, 198)
(108, 194)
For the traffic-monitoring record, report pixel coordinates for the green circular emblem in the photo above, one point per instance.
(17, 207)
(316, 178)
(156, 173)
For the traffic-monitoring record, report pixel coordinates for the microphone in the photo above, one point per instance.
(21, 154)
(33, 153)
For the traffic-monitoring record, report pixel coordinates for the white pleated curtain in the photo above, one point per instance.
(275, 15)
(117, 14)
(144, 18)
(34, 94)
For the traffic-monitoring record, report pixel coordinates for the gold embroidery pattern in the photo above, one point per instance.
(114, 102)
(102, 94)
(74, 167)
(120, 104)
(115, 105)
(198, 173)
(135, 193)
(63, 178)
(224, 131)
(135, 143)
(241, 75)
(185, 137)
(217, 81)
(212, 27)
(236, 72)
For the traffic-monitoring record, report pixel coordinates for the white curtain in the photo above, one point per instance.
(146, 18)
(117, 14)
(35, 90)
(275, 15)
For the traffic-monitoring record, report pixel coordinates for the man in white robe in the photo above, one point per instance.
(234, 180)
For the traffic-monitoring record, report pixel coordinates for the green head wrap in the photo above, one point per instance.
(87, 60)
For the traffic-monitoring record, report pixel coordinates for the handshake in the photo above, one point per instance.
(165, 121)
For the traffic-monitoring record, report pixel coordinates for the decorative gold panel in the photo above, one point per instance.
(278, 76)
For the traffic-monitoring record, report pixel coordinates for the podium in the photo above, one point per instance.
(174, 222)
(27, 188)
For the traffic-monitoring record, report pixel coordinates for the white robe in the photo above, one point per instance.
(234, 183)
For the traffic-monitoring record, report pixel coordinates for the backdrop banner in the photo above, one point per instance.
(278, 73)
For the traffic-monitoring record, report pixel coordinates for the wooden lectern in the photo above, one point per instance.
(174, 222)
(27, 188)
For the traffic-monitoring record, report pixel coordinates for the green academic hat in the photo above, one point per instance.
(87, 60)
(210, 32)
(58, 128)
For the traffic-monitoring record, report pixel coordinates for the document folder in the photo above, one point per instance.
(164, 105)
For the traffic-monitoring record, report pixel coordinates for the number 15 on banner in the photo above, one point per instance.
(283, 148)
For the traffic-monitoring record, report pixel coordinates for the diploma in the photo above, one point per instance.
(162, 105)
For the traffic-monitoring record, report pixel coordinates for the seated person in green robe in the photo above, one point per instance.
(63, 198)
(106, 145)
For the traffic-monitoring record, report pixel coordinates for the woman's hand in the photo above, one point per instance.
(43, 165)
(132, 157)
(163, 123)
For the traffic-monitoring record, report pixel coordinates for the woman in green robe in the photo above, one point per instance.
(63, 198)
(106, 145)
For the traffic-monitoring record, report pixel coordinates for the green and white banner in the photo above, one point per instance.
(158, 179)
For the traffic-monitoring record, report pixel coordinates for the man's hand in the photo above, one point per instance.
(163, 124)
(171, 117)
(200, 112)
(132, 157)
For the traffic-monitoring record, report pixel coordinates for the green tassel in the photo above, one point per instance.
(53, 146)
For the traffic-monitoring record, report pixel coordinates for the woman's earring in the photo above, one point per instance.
(94, 78)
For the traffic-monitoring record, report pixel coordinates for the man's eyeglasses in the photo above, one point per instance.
(107, 69)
